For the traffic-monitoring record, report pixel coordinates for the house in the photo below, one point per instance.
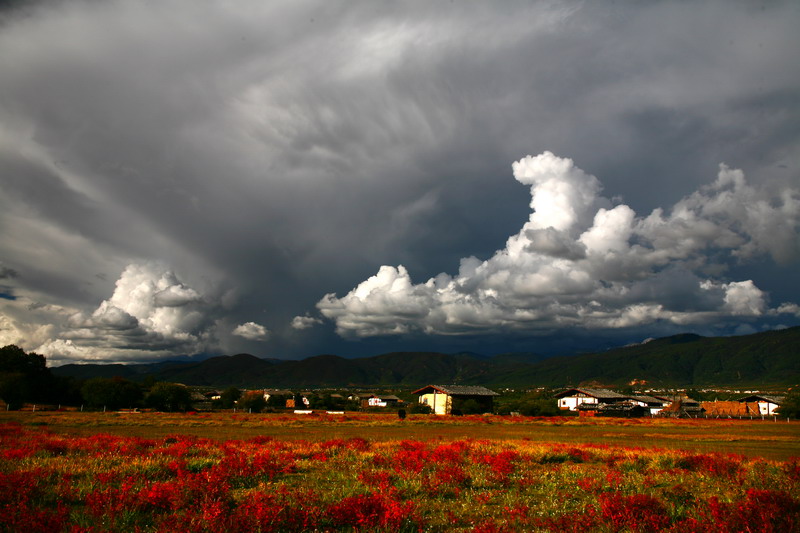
(571, 399)
(448, 399)
(653, 404)
(277, 393)
(624, 409)
(380, 400)
(360, 397)
(767, 405)
(302, 403)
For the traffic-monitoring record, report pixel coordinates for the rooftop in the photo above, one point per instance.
(459, 390)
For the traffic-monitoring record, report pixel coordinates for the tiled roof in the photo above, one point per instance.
(460, 390)
(647, 399)
(595, 393)
(778, 400)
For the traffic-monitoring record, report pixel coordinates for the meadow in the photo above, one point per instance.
(81, 472)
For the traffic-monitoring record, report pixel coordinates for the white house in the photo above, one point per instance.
(767, 405)
(654, 404)
(570, 399)
(444, 399)
(382, 400)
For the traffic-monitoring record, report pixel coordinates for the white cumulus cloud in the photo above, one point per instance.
(150, 314)
(251, 331)
(581, 261)
(305, 322)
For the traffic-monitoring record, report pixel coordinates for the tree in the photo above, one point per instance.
(419, 408)
(791, 404)
(539, 407)
(229, 397)
(111, 393)
(14, 359)
(169, 397)
(253, 401)
(277, 400)
(14, 389)
(24, 377)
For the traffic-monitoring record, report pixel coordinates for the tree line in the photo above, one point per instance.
(25, 378)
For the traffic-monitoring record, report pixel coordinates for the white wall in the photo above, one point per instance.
(767, 408)
(572, 402)
(437, 401)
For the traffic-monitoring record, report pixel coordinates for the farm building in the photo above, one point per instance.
(447, 399)
(380, 400)
(653, 404)
(767, 405)
(360, 396)
(683, 407)
(625, 409)
(571, 399)
(730, 408)
(604, 402)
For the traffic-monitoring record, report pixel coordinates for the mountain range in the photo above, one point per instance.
(761, 360)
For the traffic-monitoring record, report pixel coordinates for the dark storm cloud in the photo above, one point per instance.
(265, 154)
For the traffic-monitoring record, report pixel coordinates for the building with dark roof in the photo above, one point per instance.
(571, 399)
(767, 404)
(456, 399)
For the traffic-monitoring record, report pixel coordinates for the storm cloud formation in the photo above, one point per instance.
(581, 262)
(180, 179)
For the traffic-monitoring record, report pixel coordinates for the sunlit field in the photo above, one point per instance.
(68, 471)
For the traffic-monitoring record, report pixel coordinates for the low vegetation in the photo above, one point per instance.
(57, 481)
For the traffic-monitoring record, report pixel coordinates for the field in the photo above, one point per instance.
(68, 471)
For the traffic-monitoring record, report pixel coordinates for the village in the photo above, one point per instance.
(474, 399)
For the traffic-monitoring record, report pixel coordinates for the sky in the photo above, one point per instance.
(295, 178)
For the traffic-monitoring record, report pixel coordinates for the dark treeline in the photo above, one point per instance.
(25, 378)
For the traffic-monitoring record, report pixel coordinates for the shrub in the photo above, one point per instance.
(169, 397)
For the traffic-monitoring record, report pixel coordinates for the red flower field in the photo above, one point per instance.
(57, 482)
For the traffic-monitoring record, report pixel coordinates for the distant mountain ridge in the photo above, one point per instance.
(767, 359)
